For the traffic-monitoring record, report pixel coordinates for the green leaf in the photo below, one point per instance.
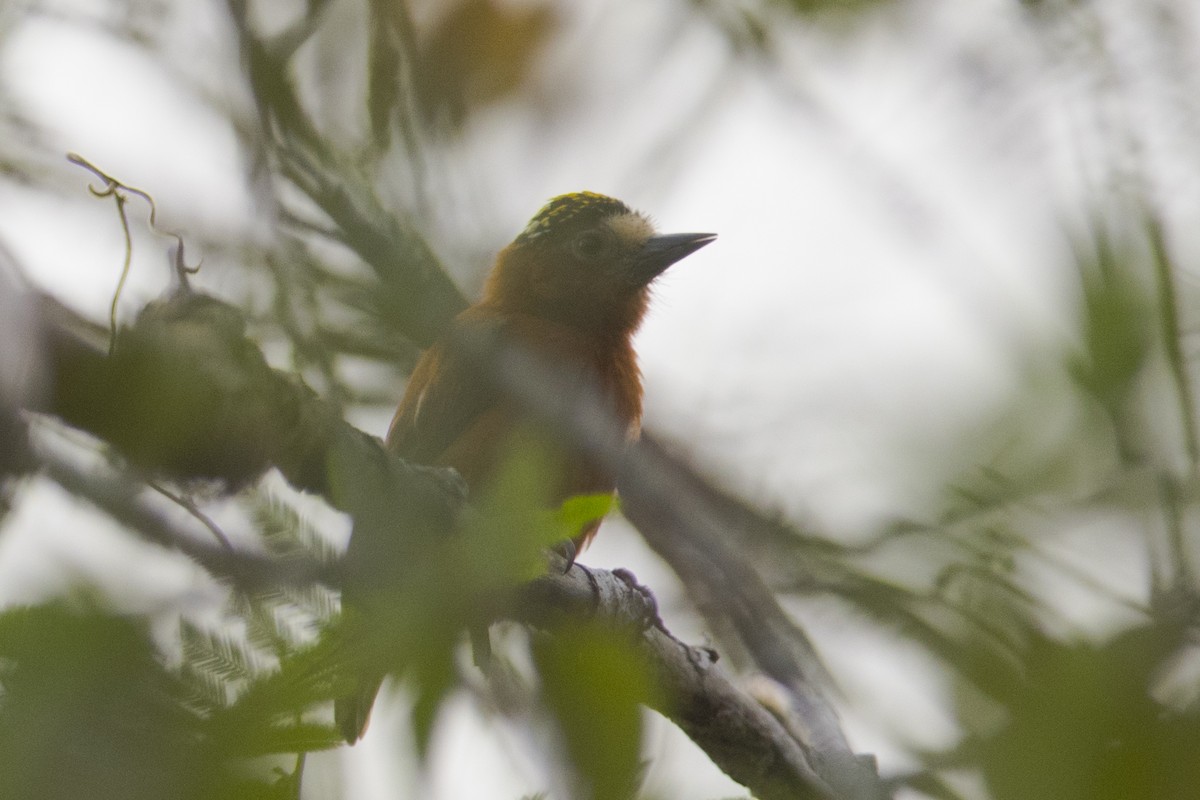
(595, 685)
(1117, 322)
(302, 737)
(1086, 725)
(88, 711)
(580, 510)
(434, 684)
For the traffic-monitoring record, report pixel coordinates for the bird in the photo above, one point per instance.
(572, 288)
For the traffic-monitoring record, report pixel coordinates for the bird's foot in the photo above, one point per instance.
(651, 618)
(568, 551)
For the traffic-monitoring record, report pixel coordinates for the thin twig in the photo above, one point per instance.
(125, 265)
(120, 192)
(187, 505)
(117, 496)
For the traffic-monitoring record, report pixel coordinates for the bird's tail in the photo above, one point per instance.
(352, 712)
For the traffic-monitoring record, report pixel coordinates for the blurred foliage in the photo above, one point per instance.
(475, 53)
(595, 687)
(829, 7)
(409, 598)
(1047, 710)
(1087, 723)
(87, 706)
(88, 699)
(479, 53)
(344, 130)
(1117, 326)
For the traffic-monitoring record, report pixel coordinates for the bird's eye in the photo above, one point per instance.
(590, 246)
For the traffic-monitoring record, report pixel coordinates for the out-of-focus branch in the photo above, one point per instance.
(120, 498)
(20, 353)
(185, 393)
(418, 297)
(684, 519)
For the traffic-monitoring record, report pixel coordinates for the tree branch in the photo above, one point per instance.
(187, 394)
(120, 498)
(419, 298)
(734, 729)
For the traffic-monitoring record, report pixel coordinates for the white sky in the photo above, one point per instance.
(890, 251)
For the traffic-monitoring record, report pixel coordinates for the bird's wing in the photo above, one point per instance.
(445, 398)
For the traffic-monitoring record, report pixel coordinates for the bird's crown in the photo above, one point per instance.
(578, 207)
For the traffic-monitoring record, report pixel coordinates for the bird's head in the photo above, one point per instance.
(586, 260)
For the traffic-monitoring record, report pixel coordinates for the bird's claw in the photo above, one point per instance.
(651, 618)
(568, 551)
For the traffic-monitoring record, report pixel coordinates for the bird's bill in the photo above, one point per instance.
(660, 252)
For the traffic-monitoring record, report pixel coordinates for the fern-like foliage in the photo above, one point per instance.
(256, 679)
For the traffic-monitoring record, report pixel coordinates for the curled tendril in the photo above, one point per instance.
(121, 192)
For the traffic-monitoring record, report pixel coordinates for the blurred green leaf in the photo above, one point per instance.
(1117, 323)
(88, 711)
(385, 78)
(840, 8)
(434, 680)
(594, 683)
(576, 512)
(1085, 726)
(517, 520)
(432, 588)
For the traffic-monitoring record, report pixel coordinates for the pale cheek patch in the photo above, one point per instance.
(632, 230)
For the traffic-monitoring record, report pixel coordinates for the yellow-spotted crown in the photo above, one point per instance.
(587, 261)
(581, 209)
